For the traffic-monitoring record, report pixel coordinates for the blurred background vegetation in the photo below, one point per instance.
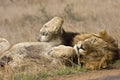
(21, 20)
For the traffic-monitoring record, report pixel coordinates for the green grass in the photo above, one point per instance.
(82, 70)
(0, 78)
(117, 63)
(44, 75)
(64, 71)
(24, 77)
(39, 76)
(68, 70)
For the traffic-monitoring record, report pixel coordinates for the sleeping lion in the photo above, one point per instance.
(96, 52)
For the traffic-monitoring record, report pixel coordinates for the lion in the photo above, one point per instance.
(97, 52)
(51, 31)
(24, 50)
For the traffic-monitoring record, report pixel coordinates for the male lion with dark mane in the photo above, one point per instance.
(96, 52)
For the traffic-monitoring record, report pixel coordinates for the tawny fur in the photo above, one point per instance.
(62, 51)
(22, 51)
(65, 53)
(96, 52)
(81, 37)
(51, 31)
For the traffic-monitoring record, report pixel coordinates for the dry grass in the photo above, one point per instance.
(20, 20)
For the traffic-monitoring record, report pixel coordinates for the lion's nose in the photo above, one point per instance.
(77, 48)
(82, 47)
(2, 64)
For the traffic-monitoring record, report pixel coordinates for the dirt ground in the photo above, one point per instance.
(113, 74)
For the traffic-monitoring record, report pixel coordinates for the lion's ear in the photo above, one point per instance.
(106, 37)
(103, 33)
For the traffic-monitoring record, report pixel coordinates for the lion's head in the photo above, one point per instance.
(95, 52)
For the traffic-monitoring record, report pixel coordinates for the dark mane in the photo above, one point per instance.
(68, 37)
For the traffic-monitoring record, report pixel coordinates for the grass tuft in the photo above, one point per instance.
(68, 70)
(65, 71)
(24, 77)
(39, 76)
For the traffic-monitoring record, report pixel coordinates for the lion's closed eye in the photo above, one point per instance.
(93, 41)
